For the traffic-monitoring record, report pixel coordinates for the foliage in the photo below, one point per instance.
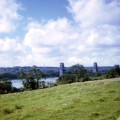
(51, 73)
(98, 77)
(85, 78)
(30, 83)
(8, 75)
(79, 71)
(22, 74)
(76, 101)
(98, 74)
(42, 84)
(53, 85)
(36, 74)
(64, 79)
(113, 73)
(32, 77)
(5, 86)
(14, 89)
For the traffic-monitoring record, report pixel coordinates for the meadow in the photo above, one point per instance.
(92, 100)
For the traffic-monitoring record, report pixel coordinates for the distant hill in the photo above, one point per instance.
(14, 70)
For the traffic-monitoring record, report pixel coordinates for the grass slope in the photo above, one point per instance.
(94, 100)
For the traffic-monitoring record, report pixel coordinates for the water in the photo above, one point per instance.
(18, 82)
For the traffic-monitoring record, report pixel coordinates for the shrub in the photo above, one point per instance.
(53, 84)
(42, 84)
(113, 73)
(64, 79)
(5, 86)
(86, 78)
(79, 71)
(30, 83)
(14, 89)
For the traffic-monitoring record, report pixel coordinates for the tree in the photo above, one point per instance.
(30, 83)
(22, 74)
(79, 71)
(9, 76)
(5, 86)
(66, 78)
(113, 72)
(117, 70)
(42, 84)
(37, 74)
(32, 76)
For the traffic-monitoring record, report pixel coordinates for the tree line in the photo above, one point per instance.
(77, 73)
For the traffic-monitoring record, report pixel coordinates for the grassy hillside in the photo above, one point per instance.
(94, 100)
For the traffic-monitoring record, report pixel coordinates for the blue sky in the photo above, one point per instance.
(47, 32)
(47, 9)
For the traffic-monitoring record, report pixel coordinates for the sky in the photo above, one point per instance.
(48, 32)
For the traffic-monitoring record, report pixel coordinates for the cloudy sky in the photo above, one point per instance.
(47, 32)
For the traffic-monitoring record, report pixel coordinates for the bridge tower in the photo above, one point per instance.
(61, 70)
(95, 68)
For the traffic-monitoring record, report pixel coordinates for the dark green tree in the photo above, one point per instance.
(42, 84)
(30, 83)
(37, 74)
(117, 70)
(113, 73)
(66, 78)
(79, 71)
(32, 76)
(22, 74)
(5, 86)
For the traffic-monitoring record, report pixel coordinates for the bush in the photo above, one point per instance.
(86, 78)
(64, 79)
(30, 83)
(9, 75)
(5, 86)
(113, 73)
(14, 89)
(53, 84)
(79, 71)
(42, 84)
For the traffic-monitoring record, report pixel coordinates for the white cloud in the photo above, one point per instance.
(92, 35)
(89, 38)
(53, 32)
(8, 15)
(104, 35)
(10, 51)
(8, 44)
(54, 35)
(90, 13)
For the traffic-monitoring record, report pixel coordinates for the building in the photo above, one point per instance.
(61, 70)
(95, 68)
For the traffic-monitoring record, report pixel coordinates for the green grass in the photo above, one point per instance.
(94, 100)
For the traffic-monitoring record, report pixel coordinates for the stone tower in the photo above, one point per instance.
(95, 68)
(61, 70)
